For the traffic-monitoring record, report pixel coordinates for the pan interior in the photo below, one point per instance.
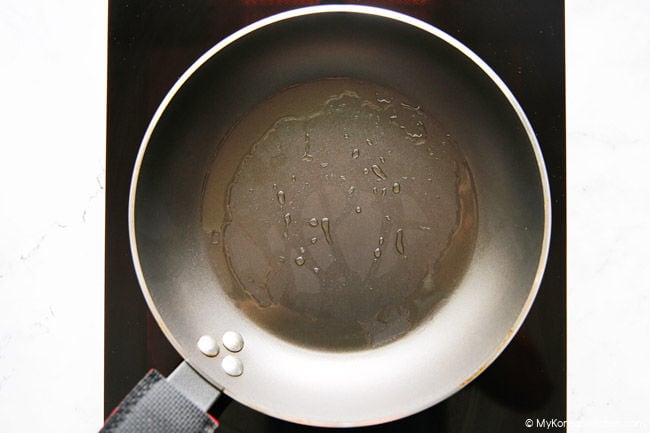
(339, 214)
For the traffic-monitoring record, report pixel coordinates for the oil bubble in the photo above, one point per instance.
(378, 171)
(399, 241)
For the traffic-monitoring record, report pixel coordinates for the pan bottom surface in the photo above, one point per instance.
(340, 214)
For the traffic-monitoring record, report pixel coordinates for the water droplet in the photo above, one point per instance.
(383, 192)
(396, 188)
(275, 186)
(378, 171)
(302, 250)
(293, 177)
(281, 197)
(342, 177)
(346, 135)
(316, 270)
(282, 259)
(365, 170)
(351, 190)
(355, 153)
(307, 155)
(312, 222)
(382, 160)
(374, 190)
(410, 107)
(387, 218)
(325, 225)
(377, 252)
(399, 241)
(381, 240)
(287, 221)
(324, 164)
(369, 141)
(393, 116)
(357, 209)
(300, 260)
(215, 237)
(314, 240)
(425, 228)
(383, 100)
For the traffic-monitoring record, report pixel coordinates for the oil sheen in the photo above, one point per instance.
(347, 214)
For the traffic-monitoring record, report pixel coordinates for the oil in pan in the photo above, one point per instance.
(341, 214)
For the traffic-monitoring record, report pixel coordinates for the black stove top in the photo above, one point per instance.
(152, 42)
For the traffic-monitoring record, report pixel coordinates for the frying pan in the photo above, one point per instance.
(339, 216)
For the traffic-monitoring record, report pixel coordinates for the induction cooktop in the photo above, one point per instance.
(151, 43)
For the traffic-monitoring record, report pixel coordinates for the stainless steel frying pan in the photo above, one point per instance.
(339, 216)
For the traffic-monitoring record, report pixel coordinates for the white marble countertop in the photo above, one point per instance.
(52, 144)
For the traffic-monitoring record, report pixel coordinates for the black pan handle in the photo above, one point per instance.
(158, 405)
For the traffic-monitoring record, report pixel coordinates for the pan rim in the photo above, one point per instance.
(381, 13)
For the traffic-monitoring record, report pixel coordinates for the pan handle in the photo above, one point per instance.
(159, 405)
